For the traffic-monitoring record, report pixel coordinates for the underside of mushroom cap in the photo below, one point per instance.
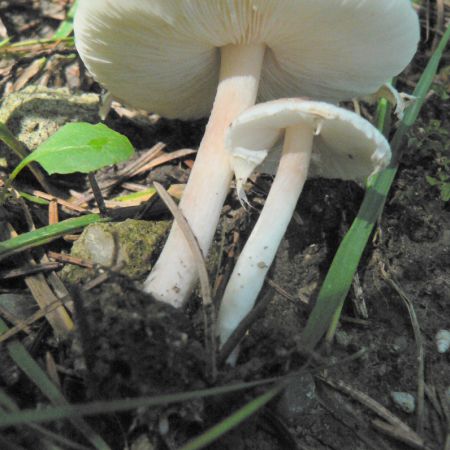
(345, 145)
(162, 55)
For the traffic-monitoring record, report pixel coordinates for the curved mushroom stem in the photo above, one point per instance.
(259, 251)
(174, 274)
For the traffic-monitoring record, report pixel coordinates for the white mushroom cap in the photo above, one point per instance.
(161, 55)
(345, 145)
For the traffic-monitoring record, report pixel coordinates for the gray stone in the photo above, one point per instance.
(404, 401)
(298, 398)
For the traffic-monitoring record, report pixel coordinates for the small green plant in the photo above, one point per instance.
(442, 178)
(78, 147)
(433, 139)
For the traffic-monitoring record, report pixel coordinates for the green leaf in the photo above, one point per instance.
(431, 180)
(79, 147)
(445, 192)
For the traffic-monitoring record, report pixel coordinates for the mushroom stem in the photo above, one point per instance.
(174, 274)
(259, 251)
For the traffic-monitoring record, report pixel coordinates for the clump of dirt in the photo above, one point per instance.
(128, 344)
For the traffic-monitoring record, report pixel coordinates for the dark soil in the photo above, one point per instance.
(127, 345)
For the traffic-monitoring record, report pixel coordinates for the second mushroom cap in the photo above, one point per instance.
(345, 145)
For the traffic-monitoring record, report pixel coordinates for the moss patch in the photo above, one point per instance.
(131, 243)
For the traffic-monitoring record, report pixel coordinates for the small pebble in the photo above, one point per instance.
(443, 341)
(298, 398)
(404, 401)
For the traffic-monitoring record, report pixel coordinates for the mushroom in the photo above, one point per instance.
(320, 140)
(185, 58)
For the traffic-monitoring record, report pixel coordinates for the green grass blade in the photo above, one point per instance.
(19, 354)
(22, 47)
(383, 124)
(47, 234)
(6, 402)
(233, 420)
(5, 42)
(383, 116)
(66, 26)
(33, 199)
(339, 278)
(52, 413)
